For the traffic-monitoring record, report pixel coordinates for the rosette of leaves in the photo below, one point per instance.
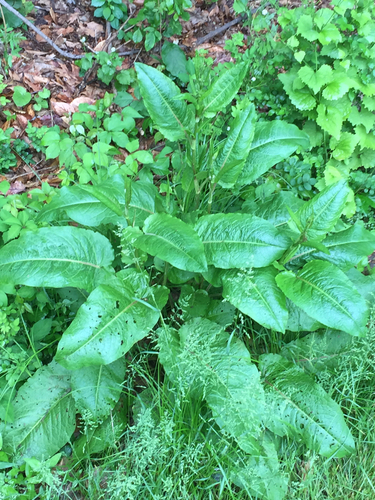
(285, 266)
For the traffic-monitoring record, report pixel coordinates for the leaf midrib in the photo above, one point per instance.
(301, 411)
(331, 299)
(169, 242)
(49, 259)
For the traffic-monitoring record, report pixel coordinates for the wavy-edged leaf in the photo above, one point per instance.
(275, 208)
(56, 257)
(346, 248)
(364, 284)
(256, 294)
(229, 163)
(145, 201)
(98, 388)
(299, 407)
(319, 351)
(224, 89)
(221, 366)
(89, 205)
(273, 142)
(172, 116)
(261, 476)
(174, 241)
(104, 204)
(240, 240)
(44, 414)
(326, 294)
(320, 214)
(108, 324)
(104, 435)
(299, 321)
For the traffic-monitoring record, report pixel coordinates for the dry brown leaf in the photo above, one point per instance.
(91, 29)
(16, 187)
(62, 108)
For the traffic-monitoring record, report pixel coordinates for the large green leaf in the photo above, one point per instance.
(103, 435)
(261, 475)
(44, 414)
(299, 321)
(104, 204)
(240, 240)
(319, 351)
(111, 321)
(275, 208)
(221, 366)
(273, 142)
(174, 241)
(364, 284)
(326, 294)
(320, 215)
(89, 205)
(171, 116)
(145, 201)
(300, 408)
(229, 163)
(256, 294)
(97, 388)
(224, 89)
(56, 257)
(346, 248)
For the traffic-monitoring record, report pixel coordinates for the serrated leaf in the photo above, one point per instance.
(273, 142)
(369, 103)
(347, 248)
(223, 90)
(174, 241)
(240, 240)
(319, 215)
(319, 351)
(335, 89)
(256, 294)
(366, 140)
(330, 119)
(209, 359)
(327, 295)
(328, 34)
(97, 388)
(316, 79)
(367, 158)
(42, 426)
(344, 147)
(108, 324)
(299, 407)
(363, 117)
(172, 117)
(301, 98)
(56, 257)
(305, 28)
(229, 163)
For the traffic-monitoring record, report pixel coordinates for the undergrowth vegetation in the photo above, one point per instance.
(196, 320)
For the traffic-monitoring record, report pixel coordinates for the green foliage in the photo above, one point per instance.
(203, 259)
(163, 19)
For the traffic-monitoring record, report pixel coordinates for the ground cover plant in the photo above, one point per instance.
(193, 320)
